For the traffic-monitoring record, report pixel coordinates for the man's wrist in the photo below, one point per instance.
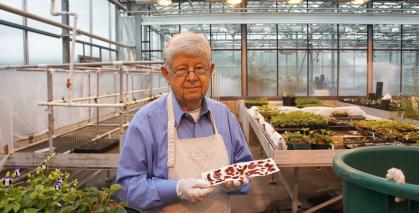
(167, 191)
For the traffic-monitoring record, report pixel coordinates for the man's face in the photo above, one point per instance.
(188, 76)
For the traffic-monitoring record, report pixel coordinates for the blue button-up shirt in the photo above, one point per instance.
(142, 169)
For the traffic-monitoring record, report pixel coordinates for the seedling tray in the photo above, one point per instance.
(342, 127)
(298, 128)
(350, 118)
(98, 146)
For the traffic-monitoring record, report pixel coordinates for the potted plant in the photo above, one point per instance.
(299, 119)
(308, 102)
(297, 141)
(288, 99)
(321, 139)
(339, 114)
(256, 102)
(267, 112)
(51, 191)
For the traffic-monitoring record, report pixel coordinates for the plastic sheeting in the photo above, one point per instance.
(127, 36)
(20, 115)
(327, 111)
(6, 111)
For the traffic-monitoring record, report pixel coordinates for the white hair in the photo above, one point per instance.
(188, 42)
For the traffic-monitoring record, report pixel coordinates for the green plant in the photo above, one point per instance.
(339, 114)
(409, 107)
(256, 102)
(308, 102)
(390, 130)
(267, 112)
(295, 137)
(52, 192)
(298, 119)
(322, 137)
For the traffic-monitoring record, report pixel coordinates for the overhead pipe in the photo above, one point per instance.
(57, 24)
(72, 46)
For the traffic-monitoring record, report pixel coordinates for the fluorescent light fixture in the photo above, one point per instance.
(359, 1)
(233, 2)
(295, 1)
(164, 2)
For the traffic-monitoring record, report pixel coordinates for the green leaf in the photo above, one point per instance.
(16, 207)
(39, 187)
(119, 210)
(66, 209)
(115, 187)
(8, 207)
(31, 210)
(101, 209)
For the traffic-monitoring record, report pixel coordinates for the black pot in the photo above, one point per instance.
(301, 146)
(131, 210)
(288, 101)
(320, 146)
(385, 104)
(372, 96)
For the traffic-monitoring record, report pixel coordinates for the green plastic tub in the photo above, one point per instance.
(365, 188)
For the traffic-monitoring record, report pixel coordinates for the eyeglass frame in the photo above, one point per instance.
(203, 72)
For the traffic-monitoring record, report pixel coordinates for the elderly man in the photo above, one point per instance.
(175, 138)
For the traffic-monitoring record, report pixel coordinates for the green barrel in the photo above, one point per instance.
(365, 188)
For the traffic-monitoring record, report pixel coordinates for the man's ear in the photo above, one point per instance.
(211, 68)
(165, 73)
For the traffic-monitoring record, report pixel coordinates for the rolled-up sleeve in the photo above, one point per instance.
(241, 152)
(139, 188)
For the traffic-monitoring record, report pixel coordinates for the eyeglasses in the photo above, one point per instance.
(183, 70)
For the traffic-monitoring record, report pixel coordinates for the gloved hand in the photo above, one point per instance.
(233, 185)
(193, 190)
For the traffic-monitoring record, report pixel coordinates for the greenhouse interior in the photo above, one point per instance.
(269, 106)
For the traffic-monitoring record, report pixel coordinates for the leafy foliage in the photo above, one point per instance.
(322, 137)
(267, 112)
(52, 192)
(390, 129)
(339, 114)
(308, 102)
(296, 137)
(256, 102)
(409, 107)
(298, 119)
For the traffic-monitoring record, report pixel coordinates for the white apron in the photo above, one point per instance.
(188, 158)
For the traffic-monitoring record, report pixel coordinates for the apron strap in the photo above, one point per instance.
(172, 132)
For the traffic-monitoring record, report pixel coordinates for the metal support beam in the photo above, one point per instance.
(244, 59)
(66, 33)
(138, 37)
(51, 120)
(25, 36)
(284, 18)
(370, 59)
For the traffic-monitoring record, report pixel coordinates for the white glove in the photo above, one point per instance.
(193, 190)
(233, 185)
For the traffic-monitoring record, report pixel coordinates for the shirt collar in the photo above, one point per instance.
(178, 111)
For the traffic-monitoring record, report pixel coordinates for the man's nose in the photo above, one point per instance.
(191, 74)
